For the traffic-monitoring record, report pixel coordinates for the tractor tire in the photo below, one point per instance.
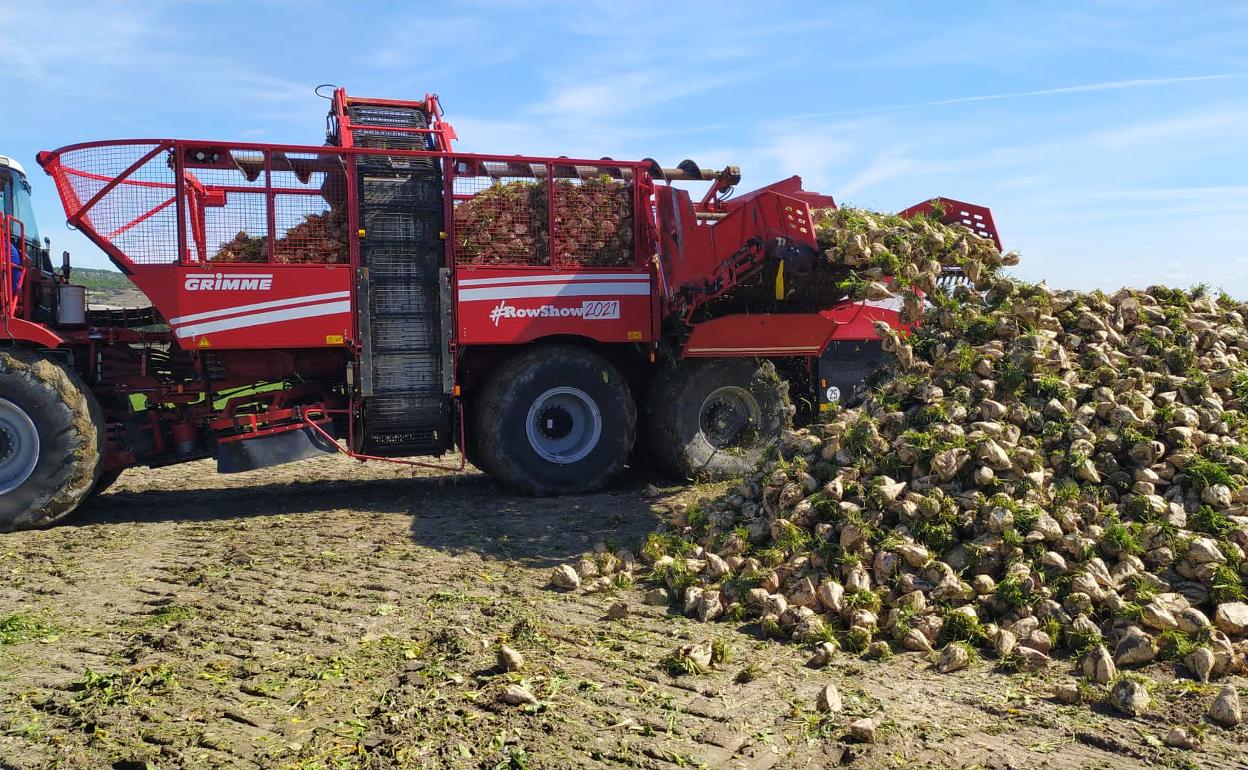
(52, 440)
(714, 419)
(555, 420)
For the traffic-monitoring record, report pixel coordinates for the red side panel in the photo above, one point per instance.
(509, 306)
(765, 334)
(977, 218)
(791, 187)
(790, 334)
(856, 320)
(15, 329)
(696, 252)
(233, 305)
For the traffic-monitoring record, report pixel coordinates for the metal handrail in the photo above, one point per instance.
(8, 297)
(182, 187)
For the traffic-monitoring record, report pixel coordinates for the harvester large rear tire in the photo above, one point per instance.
(555, 420)
(715, 418)
(52, 440)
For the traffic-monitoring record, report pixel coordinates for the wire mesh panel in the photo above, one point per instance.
(309, 208)
(407, 193)
(498, 221)
(409, 262)
(286, 207)
(400, 299)
(237, 231)
(593, 222)
(518, 212)
(400, 334)
(268, 206)
(137, 213)
(392, 128)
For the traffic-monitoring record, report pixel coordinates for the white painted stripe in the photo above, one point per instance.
(795, 349)
(554, 278)
(261, 319)
(565, 290)
(259, 306)
(893, 303)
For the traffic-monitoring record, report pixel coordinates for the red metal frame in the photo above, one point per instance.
(702, 260)
(791, 187)
(442, 132)
(978, 219)
(164, 282)
(764, 335)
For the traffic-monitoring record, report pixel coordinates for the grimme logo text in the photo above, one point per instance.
(223, 282)
(590, 310)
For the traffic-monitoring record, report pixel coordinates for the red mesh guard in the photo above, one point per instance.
(239, 205)
(136, 216)
(251, 204)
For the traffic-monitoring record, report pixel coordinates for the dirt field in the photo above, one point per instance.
(332, 615)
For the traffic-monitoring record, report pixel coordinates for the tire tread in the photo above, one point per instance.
(62, 487)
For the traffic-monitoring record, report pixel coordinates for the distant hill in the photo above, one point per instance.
(108, 287)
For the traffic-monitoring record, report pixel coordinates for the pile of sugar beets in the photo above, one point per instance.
(509, 223)
(1034, 473)
(320, 237)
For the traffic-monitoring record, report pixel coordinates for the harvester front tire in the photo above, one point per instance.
(714, 419)
(52, 440)
(555, 420)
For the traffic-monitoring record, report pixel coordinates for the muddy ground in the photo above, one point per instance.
(331, 615)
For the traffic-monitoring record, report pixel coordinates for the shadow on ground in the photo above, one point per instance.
(453, 513)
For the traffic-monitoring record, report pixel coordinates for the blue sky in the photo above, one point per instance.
(1109, 138)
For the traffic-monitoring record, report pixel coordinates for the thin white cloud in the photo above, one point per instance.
(590, 99)
(1109, 85)
(1169, 194)
(812, 154)
(888, 165)
(1189, 127)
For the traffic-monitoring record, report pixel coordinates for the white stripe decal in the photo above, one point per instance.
(554, 278)
(565, 290)
(260, 319)
(893, 303)
(794, 349)
(259, 306)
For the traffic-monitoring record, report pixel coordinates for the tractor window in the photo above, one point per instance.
(18, 203)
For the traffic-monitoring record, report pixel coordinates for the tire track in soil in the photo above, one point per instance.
(326, 614)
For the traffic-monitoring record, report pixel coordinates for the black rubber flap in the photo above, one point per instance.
(274, 449)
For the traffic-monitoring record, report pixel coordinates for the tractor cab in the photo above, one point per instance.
(15, 202)
(30, 289)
